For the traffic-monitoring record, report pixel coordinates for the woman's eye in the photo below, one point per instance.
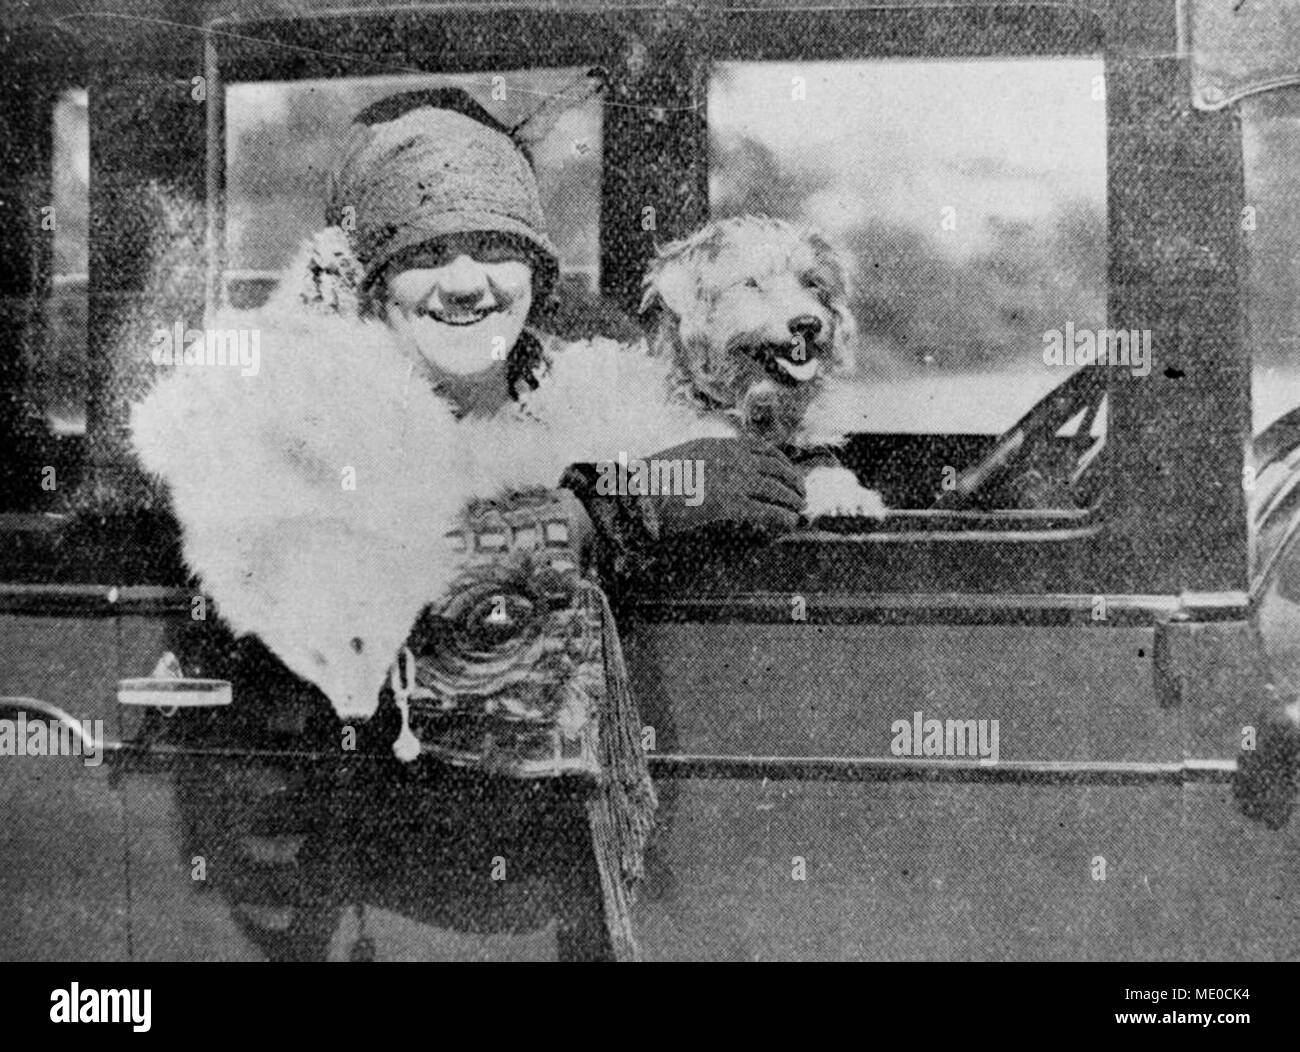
(430, 257)
(492, 249)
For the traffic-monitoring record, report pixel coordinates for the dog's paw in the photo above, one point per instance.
(836, 491)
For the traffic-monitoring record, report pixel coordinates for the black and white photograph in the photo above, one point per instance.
(587, 481)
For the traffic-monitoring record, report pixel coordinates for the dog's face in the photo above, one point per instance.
(755, 313)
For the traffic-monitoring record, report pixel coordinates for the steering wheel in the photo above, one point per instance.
(1030, 465)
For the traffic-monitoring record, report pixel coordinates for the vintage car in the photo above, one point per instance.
(1099, 576)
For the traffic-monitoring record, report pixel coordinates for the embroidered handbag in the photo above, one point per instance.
(509, 673)
(519, 672)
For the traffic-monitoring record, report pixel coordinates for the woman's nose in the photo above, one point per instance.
(462, 281)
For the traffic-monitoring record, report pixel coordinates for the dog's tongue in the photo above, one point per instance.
(801, 371)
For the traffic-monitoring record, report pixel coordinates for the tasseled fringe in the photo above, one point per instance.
(621, 807)
(621, 811)
(401, 677)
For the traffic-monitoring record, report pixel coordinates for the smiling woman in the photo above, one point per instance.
(323, 501)
(454, 262)
(458, 310)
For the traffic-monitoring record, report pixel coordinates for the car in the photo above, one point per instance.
(1004, 722)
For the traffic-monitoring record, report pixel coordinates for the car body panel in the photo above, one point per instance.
(64, 889)
(1107, 830)
(907, 872)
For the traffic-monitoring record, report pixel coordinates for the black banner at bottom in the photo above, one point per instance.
(215, 1001)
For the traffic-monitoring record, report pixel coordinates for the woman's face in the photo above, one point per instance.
(460, 301)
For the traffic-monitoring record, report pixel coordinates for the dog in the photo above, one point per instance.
(753, 314)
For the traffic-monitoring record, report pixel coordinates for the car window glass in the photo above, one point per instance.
(282, 138)
(46, 431)
(60, 374)
(1271, 230)
(971, 197)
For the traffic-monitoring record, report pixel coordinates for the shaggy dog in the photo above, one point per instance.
(753, 315)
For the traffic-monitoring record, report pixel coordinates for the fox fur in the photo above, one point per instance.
(331, 577)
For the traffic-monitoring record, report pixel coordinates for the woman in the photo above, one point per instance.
(400, 380)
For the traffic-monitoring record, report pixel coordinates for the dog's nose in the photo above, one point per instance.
(806, 325)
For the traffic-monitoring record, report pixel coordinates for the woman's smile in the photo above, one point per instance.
(460, 303)
(458, 318)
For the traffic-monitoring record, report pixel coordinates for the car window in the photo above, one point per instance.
(282, 138)
(1271, 229)
(59, 378)
(971, 197)
(53, 381)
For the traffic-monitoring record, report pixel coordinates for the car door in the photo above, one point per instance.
(249, 837)
(63, 873)
(1106, 638)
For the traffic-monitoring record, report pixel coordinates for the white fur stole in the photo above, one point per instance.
(315, 496)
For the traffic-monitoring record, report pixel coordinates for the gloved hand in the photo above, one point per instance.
(746, 482)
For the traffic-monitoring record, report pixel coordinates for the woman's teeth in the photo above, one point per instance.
(471, 317)
(803, 372)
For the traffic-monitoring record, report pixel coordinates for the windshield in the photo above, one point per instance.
(1271, 230)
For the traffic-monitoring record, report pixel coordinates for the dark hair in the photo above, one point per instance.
(458, 100)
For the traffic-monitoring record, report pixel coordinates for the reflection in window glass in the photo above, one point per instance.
(57, 376)
(1271, 143)
(970, 194)
(283, 139)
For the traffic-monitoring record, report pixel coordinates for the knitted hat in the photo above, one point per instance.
(431, 172)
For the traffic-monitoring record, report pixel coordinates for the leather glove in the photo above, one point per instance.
(745, 482)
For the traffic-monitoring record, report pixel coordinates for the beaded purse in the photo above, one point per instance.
(508, 674)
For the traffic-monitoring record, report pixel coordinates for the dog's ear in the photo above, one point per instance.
(663, 337)
(835, 266)
(669, 282)
(846, 337)
(835, 273)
